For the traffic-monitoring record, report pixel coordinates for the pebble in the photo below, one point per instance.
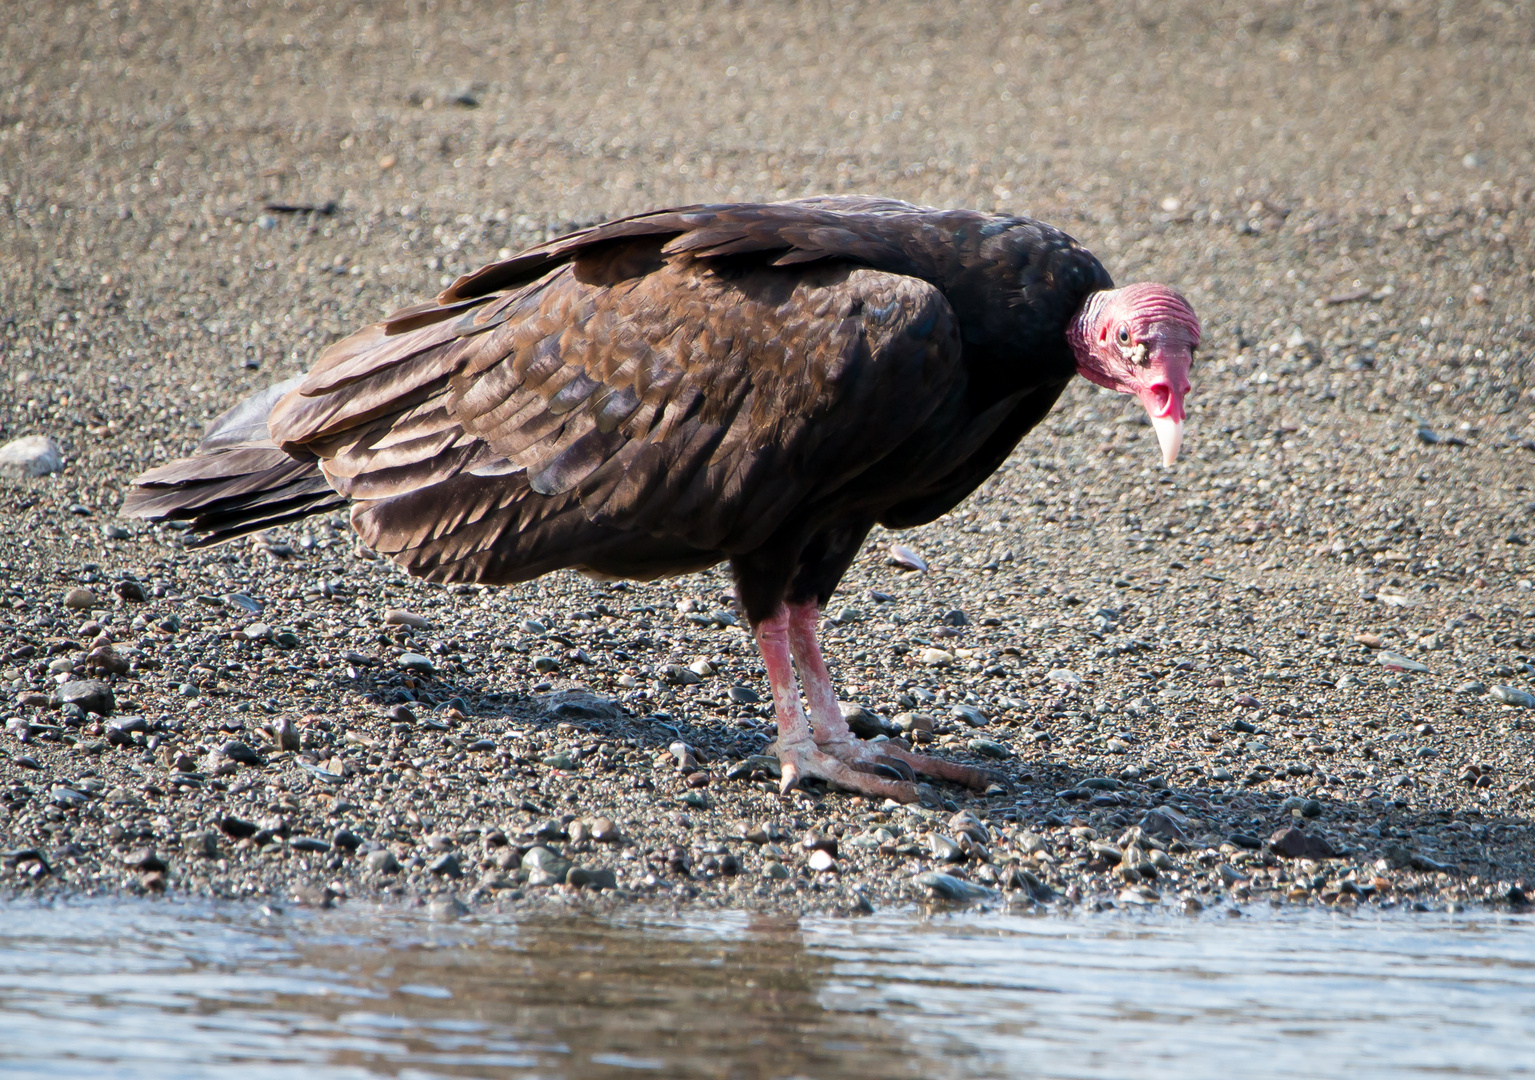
(237, 828)
(203, 844)
(774, 870)
(913, 721)
(382, 861)
(583, 877)
(1295, 843)
(315, 896)
(144, 860)
(743, 695)
(309, 843)
(1397, 662)
(818, 842)
(410, 661)
(944, 848)
(745, 769)
(80, 599)
(256, 631)
(91, 695)
(1509, 695)
(131, 591)
(30, 456)
(821, 860)
(241, 752)
(1064, 676)
(552, 866)
(1230, 875)
(949, 887)
(68, 797)
(245, 603)
(447, 909)
(936, 657)
(969, 714)
(401, 617)
(285, 734)
(989, 748)
(678, 675)
(861, 721)
(1110, 853)
(579, 705)
(907, 559)
(446, 865)
(965, 823)
(605, 831)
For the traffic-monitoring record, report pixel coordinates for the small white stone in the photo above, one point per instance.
(907, 559)
(31, 455)
(401, 617)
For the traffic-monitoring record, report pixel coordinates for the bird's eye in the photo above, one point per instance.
(1124, 335)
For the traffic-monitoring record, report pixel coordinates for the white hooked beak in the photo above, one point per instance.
(1170, 436)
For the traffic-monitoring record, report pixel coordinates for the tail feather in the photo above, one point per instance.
(238, 482)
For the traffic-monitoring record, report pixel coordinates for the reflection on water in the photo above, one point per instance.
(159, 989)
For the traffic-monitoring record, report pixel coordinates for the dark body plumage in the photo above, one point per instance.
(753, 383)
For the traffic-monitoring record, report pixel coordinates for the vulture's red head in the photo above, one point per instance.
(1140, 340)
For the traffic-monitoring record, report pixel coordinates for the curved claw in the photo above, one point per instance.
(884, 769)
(800, 761)
(902, 770)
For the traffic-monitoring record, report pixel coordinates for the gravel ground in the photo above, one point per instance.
(1210, 655)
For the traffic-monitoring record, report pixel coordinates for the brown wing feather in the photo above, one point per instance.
(827, 227)
(615, 396)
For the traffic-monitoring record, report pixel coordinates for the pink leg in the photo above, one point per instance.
(830, 730)
(798, 754)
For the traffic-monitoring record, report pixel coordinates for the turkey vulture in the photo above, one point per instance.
(752, 383)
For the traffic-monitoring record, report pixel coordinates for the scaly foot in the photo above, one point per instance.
(873, 769)
(802, 759)
(895, 762)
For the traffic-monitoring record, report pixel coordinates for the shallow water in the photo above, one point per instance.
(162, 989)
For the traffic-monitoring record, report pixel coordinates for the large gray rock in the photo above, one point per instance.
(92, 695)
(579, 705)
(33, 455)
